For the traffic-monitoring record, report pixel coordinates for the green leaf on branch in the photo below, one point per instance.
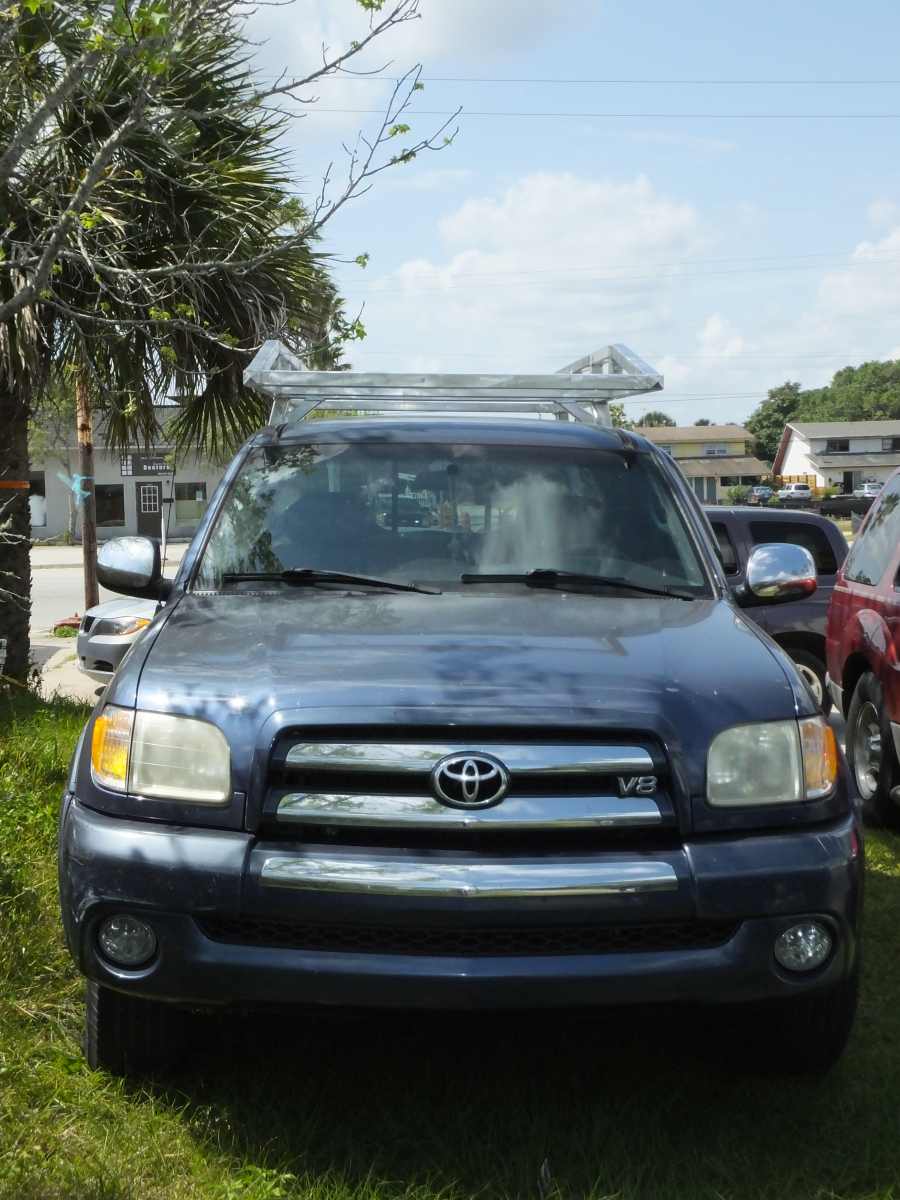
(395, 130)
(362, 260)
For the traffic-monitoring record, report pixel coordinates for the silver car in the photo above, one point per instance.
(108, 631)
(867, 490)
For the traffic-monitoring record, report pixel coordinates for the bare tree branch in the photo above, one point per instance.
(405, 10)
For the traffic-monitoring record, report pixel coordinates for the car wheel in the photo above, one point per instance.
(870, 752)
(128, 1035)
(812, 670)
(803, 1036)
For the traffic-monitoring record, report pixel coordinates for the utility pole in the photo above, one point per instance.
(88, 502)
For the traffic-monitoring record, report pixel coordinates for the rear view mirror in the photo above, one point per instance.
(776, 573)
(131, 566)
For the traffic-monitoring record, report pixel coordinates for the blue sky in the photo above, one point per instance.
(731, 251)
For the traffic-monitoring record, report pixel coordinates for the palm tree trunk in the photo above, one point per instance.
(85, 422)
(15, 538)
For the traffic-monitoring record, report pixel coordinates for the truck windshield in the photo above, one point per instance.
(419, 513)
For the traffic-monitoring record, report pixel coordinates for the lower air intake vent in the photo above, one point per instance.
(487, 941)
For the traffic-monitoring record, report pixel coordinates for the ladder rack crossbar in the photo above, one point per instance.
(582, 391)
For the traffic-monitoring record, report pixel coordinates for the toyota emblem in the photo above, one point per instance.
(470, 780)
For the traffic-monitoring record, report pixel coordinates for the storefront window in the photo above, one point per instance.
(190, 502)
(110, 503)
(37, 500)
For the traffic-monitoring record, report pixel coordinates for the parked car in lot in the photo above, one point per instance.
(537, 758)
(761, 493)
(863, 650)
(799, 628)
(108, 631)
(795, 491)
(870, 487)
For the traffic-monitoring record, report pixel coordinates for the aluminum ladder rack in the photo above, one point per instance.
(580, 391)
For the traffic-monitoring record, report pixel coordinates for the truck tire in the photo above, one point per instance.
(870, 753)
(812, 669)
(803, 1036)
(128, 1035)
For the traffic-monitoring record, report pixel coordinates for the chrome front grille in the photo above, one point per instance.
(381, 785)
(558, 760)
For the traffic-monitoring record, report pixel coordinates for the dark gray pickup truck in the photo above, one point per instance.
(526, 750)
(800, 627)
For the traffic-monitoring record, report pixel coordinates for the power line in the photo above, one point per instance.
(660, 263)
(655, 280)
(381, 78)
(619, 116)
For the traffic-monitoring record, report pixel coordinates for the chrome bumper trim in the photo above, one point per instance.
(535, 812)
(554, 759)
(476, 880)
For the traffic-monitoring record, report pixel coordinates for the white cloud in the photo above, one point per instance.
(559, 263)
(552, 267)
(718, 339)
(883, 212)
(866, 293)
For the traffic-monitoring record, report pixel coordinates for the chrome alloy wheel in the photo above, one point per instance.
(867, 750)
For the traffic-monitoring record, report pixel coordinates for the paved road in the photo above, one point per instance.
(57, 591)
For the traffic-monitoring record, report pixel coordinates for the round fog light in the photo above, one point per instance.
(126, 941)
(803, 947)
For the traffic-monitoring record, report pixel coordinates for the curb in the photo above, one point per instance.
(59, 659)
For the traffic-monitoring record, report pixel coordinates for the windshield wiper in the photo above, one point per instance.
(309, 576)
(549, 577)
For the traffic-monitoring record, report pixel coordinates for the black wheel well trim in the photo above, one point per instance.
(813, 643)
(854, 668)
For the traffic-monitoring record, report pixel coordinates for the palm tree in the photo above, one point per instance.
(181, 264)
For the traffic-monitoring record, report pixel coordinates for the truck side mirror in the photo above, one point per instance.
(775, 573)
(131, 566)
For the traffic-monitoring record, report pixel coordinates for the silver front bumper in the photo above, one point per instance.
(491, 879)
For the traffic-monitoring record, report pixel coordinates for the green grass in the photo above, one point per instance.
(637, 1106)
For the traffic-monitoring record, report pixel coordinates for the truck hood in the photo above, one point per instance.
(680, 670)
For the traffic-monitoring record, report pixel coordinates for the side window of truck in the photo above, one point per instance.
(874, 548)
(811, 537)
(727, 552)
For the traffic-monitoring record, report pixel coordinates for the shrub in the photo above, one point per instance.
(739, 494)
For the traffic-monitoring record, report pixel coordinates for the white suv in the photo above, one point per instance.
(795, 491)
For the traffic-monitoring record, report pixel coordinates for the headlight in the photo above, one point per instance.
(775, 762)
(161, 756)
(121, 626)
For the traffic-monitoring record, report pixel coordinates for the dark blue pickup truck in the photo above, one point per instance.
(527, 750)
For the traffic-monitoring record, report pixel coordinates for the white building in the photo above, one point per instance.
(839, 454)
(135, 492)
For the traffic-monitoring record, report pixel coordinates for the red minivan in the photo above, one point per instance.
(863, 648)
